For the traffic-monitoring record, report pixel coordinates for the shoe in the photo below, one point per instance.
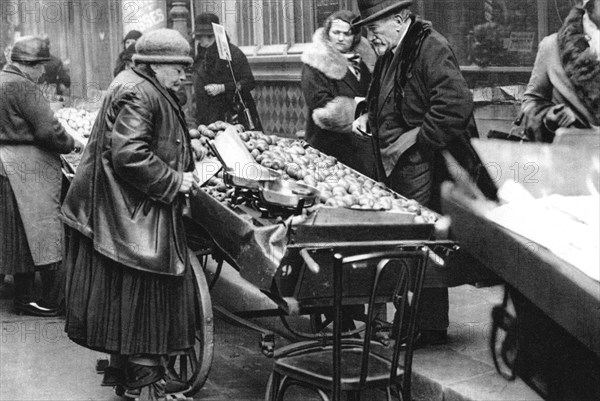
(433, 337)
(113, 377)
(137, 376)
(35, 308)
(424, 338)
(172, 386)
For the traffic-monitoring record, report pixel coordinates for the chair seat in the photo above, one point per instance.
(317, 368)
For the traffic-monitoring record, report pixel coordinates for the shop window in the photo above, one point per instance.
(488, 32)
(271, 22)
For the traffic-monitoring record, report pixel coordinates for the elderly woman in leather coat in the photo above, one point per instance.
(564, 89)
(129, 281)
(31, 139)
(337, 69)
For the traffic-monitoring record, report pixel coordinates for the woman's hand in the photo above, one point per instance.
(214, 89)
(189, 183)
(559, 116)
(359, 126)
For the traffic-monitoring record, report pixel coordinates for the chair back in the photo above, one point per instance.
(401, 269)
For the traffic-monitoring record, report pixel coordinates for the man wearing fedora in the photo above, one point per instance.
(419, 106)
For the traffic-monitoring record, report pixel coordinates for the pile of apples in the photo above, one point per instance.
(339, 186)
(78, 120)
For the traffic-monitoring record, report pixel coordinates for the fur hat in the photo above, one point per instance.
(162, 46)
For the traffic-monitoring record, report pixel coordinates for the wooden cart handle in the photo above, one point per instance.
(310, 262)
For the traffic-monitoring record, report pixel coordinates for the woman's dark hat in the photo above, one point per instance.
(203, 24)
(30, 49)
(372, 10)
(133, 34)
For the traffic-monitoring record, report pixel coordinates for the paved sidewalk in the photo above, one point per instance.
(38, 362)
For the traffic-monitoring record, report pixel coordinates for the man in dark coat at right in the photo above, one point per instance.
(419, 105)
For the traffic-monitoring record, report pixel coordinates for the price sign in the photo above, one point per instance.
(521, 42)
(222, 43)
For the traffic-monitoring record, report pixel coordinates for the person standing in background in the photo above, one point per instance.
(55, 73)
(336, 70)
(564, 88)
(31, 140)
(214, 85)
(124, 58)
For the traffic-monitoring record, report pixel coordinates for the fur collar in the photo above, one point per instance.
(323, 56)
(580, 64)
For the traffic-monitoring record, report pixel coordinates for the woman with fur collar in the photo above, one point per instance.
(337, 68)
(564, 89)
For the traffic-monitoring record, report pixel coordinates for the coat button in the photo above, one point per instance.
(178, 141)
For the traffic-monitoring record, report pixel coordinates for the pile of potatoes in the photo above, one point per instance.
(78, 120)
(339, 186)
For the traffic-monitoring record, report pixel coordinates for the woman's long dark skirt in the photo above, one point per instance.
(15, 256)
(116, 309)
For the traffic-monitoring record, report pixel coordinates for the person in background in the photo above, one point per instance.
(55, 73)
(564, 88)
(130, 286)
(31, 140)
(213, 83)
(419, 105)
(124, 59)
(337, 69)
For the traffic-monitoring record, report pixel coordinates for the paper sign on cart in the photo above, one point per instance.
(222, 43)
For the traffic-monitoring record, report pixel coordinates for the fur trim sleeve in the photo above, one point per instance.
(337, 115)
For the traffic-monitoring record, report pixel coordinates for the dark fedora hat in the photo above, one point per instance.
(30, 49)
(203, 24)
(371, 10)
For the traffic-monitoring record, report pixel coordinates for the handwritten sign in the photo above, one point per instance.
(521, 42)
(222, 43)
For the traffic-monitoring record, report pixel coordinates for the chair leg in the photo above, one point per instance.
(322, 394)
(284, 384)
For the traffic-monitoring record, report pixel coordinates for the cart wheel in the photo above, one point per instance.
(192, 365)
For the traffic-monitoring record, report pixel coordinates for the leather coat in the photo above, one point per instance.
(125, 193)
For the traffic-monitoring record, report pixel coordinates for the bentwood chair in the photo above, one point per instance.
(336, 364)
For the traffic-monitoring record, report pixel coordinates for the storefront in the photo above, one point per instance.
(495, 41)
